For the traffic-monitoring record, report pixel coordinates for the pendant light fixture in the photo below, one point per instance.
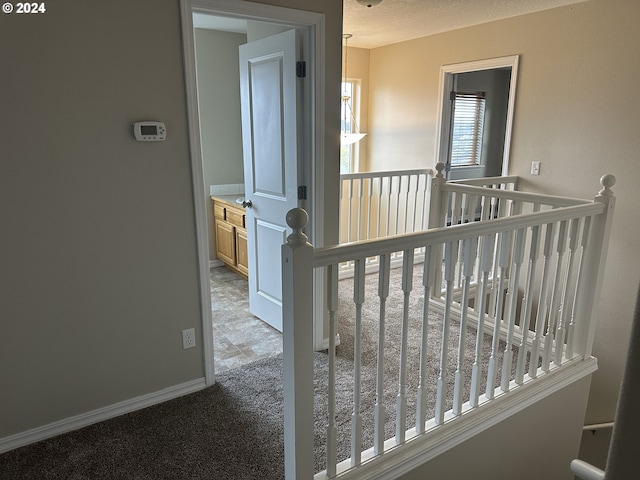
(369, 3)
(348, 137)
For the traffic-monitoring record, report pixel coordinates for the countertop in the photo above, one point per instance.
(228, 199)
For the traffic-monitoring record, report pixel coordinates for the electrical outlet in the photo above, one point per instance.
(188, 338)
(535, 168)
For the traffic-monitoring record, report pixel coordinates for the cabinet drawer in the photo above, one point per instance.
(235, 217)
(218, 211)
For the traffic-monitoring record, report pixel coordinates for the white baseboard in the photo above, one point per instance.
(99, 415)
(325, 343)
(216, 263)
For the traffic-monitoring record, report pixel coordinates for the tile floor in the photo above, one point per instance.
(238, 336)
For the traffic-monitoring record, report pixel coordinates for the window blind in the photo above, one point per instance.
(468, 126)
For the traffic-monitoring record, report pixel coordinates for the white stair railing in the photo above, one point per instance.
(558, 336)
(380, 204)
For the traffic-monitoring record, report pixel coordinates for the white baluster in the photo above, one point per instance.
(415, 202)
(496, 282)
(341, 237)
(359, 216)
(514, 280)
(572, 324)
(553, 312)
(332, 305)
(397, 230)
(503, 263)
(485, 210)
(356, 418)
(380, 188)
(350, 213)
(383, 293)
(560, 329)
(389, 193)
(401, 399)
(470, 251)
(486, 265)
(369, 205)
(456, 213)
(421, 408)
(527, 304)
(406, 206)
(450, 253)
(543, 304)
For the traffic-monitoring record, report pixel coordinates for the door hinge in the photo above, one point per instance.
(301, 69)
(452, 96)
(302, 192)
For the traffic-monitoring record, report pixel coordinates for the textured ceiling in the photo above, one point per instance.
(395, 21)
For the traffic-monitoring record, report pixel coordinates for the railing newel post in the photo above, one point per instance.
(297, 343)
(437, 215)
(592, 269)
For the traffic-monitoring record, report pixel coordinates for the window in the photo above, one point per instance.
(349, 120)
(468, 126)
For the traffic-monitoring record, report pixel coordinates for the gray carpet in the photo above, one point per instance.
(234, 429)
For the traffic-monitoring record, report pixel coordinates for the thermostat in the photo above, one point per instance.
(149, 131)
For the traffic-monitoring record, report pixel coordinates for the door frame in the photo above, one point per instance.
(311, 26)
(443, 127)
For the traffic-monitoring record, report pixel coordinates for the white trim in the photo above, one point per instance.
(420, 449)
(444, 112)
(99, 415)
(313, 26)
(197, 178)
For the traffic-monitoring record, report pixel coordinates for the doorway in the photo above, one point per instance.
(308, 24)
(485, 92)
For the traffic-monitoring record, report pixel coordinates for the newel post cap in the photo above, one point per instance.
(297, 219)
(607, 181)
(440, 169)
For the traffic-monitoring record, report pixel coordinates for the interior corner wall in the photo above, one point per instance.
(572, 114)
(537, 443)
(218, 76)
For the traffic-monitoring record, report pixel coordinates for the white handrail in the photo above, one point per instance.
(387, 173)
(482, 181)
(586, 471)
(541, 198)
(340, 253)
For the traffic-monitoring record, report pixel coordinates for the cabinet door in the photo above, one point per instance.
(226, 242)
(241, 251)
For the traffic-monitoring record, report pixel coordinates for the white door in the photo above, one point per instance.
(269, 91)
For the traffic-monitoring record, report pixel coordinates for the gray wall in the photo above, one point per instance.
(219, 107)
(99, 273)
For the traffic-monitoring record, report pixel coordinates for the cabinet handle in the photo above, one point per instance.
(247, 204)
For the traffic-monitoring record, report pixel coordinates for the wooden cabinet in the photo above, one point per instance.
(231, 235)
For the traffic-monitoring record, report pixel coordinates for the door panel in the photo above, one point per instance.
(269, 102)
(269, 237)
